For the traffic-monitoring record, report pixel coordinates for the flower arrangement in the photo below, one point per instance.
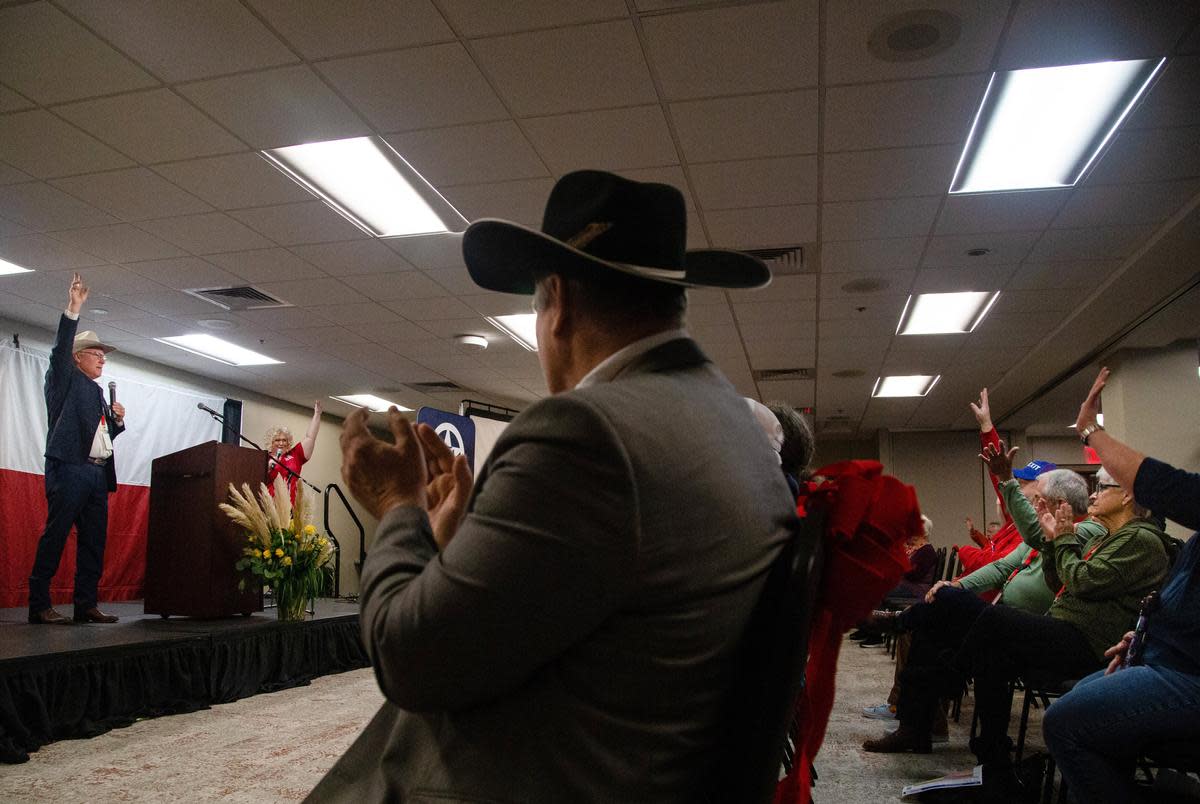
(283, 547)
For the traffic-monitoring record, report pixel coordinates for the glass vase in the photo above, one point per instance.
(289, 603)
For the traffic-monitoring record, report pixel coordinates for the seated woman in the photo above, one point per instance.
(288, 458)
(1097, 730)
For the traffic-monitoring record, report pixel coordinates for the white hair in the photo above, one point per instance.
(273, 432)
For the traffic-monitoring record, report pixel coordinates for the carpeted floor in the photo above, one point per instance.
(276, 747)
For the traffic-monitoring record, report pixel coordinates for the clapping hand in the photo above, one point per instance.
(449, 485)
(1057, 522)
(998, 461)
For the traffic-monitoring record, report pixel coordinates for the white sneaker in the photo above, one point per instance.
(881, 712)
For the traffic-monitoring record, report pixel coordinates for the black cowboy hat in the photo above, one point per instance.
(599, 220)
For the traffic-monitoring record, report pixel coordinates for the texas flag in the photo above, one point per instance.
(159, 420)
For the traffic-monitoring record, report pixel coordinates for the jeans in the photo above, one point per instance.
(1097, 730)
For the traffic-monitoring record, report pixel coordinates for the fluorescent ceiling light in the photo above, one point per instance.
(1043, 127)
(370, 401)
(368, 183)
(911, 385)
(222, 351)
(522, 328)
(7, 267)
(935, 313)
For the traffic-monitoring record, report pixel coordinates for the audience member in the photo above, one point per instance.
(584, 604)
(798, 447)
(1098, 729)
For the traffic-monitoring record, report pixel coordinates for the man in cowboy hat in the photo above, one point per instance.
(79, 466)
(567, 630)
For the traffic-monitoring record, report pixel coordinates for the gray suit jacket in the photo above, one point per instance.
(574, 641)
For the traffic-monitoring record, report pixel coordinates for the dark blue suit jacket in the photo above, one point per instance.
(74, 403)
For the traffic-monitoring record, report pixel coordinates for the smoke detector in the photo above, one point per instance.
(472, 342)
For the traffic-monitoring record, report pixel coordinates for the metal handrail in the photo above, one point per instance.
(362, 535)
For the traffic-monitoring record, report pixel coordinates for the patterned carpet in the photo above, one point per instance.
(275, 747)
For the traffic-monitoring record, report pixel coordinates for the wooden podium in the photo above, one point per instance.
(191, 546)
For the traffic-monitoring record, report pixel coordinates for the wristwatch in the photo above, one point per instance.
(1086, 432)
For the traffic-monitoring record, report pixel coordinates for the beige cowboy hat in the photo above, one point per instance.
(90, 340)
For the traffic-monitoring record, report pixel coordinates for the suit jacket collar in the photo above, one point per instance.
(682, 352)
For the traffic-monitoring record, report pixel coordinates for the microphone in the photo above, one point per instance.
(207, 409)
(112, 393)
(278, 453)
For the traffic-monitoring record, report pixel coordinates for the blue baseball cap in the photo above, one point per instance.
(1031, 470)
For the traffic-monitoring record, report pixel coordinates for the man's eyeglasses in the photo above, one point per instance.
(1102, 486)
(96, 354)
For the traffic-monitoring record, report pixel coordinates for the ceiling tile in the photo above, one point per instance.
(1157, 154)
(10, 175)
(756, 183)
(235, 182)
(353, 257)
(610, 140)
(170, 303)
(485, 17)
(39, 206)
(1000, 212)
(854, 308)
(429, 251)
(763, 227)
(10, 229)
(721, 129)
(43, 253)
(330, 335)
(319, 29)
(850, 286)
(769, 312)
(1044, 33)
(1173, 98)
(104, 309)
(484, 152)
(850, 23)
(857, 220)
(696, 237)
(185, 39)
(49, 57)
(888, 173)
(423, 87)
(355, 313)
(42, 145)
(168, 127)
(209, 233)
(120, 243)
(12, 102)
(306, 222)
(865, 326)
(950, 251)
(308, 292)
(731, 51)
(389, 287)
(392, 332)
(667, 174)
(520, 201)
(782, 288)
(1033, 301)
(276, 108)
(843, 256)
(901, 113)
(449, 327)
(963, 278)
(132, 195)
(1114, 205)
(567, 69)
(1090, 244)
(284, 318)
(1062, 275)
(184, 272)
(455, 280)
(431, 309)
(265, 265)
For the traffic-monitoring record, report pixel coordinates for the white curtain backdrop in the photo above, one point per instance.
(158, 419)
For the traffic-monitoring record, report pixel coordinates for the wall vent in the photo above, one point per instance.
(785, 260)
(775, 375)
(243, 297)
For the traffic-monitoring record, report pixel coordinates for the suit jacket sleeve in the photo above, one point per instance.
(62, 366)
(546, 552)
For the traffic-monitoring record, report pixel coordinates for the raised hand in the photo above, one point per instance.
(449, 485)
(380, 475)
(1090, 408)
(317, 408)
(77, 294)
(983, 412)
(999, 462)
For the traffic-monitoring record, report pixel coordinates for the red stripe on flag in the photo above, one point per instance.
(22, 518)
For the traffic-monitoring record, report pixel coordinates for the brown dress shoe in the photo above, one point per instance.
(899, 742)
(94, 615)
(48, 617)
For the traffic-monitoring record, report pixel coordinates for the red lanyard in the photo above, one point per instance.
(1028, 560)
(1086, 556)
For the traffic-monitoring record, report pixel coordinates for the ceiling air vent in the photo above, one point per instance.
(787, 260)
(435, 387)
(243, 297)
(775, 375)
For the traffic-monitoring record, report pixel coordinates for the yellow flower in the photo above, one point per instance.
(278, 552)
(266, 553)
(309, 530)
(287, 561)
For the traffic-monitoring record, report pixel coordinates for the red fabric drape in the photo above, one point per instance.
(869, 516)
(22, 518)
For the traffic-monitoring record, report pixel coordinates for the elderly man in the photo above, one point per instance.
(79, 466)
(570, 631)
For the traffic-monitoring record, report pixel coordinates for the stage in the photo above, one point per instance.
(70, 681)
